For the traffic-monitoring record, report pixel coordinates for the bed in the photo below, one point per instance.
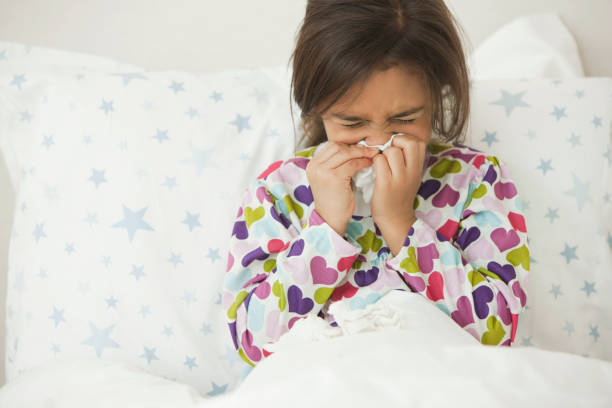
(121, 166)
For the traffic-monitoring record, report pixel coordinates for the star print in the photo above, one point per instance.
(192, 112)
(133, 221)
(69, 248)
(168, 331)
(231, 356)
(55, 348)
(526, 341)
(149, 354)
(106, 106)
(569, 253)
(106, 260)
(188, 297)
(79, 76)
(87, 139)
(111, 302)
(176, 87)
(127, 77)
(192, 220)
(545, 166)
(241, 122)
(51, 192)
(175, 259)
(206, 329)
(579, 94)
(588, 288)
(42, 273)
(170, 182)
(18, 80)
(145, 310)
(569, 328)
(580, 191)
(531, 134)
(552, 214)
(91, 218)
(558, 112)
(137, 272)
(490, 138)
(594, 332)
(216, 390)
(123, 145)
(97, 177)
(213, 254)
(511, 101)
(574, 140)
(260, 96)
(607, 156)
(217, 96)
(555, 290)
(100, 339)
(161, 135)
(48, 141)
(596, 121)
(57, 316)
(190, 362)
(201, 159)
(38, 232)
(272, 133)
(25, 116)
(148, 105)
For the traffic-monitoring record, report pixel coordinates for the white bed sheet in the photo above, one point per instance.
(407, 364)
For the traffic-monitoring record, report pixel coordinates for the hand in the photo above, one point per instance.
(398, 177)
(329, 174)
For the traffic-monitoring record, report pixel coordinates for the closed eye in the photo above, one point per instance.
(358, 124)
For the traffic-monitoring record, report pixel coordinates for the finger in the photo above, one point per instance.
(327, 151)
(413, 149)
(381, 168)
(349, 168)
(347, 153)
(396, 160)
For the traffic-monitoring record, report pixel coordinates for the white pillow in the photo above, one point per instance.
(127, 183)
(554, 136)
(534, 46)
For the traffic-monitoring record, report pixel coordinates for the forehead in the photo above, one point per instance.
(386, 91)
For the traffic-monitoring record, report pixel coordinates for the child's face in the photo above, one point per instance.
(379, 108)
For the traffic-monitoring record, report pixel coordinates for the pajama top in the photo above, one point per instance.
(467, 252)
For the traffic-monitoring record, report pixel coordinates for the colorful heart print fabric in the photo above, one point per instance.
(467, 252)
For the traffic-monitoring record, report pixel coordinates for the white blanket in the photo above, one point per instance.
(399, 352)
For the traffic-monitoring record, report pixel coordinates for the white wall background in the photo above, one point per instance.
(211, 35)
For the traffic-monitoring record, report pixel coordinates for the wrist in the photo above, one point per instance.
(395, 231)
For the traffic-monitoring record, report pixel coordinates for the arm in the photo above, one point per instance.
(479, 275)
(284, 262)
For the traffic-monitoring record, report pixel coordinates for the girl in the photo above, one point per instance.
(444, 220)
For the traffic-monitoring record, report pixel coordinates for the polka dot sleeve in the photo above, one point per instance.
(479, 275)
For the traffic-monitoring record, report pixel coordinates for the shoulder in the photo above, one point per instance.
(445, 158)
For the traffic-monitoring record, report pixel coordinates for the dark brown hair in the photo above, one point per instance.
(342, 42)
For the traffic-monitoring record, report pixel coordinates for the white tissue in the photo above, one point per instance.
(364, 181)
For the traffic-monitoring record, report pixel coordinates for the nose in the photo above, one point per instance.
(378, 136)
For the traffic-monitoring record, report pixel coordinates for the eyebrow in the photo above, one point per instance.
(397, 115)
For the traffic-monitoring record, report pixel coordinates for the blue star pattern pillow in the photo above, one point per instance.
(555, 138)
(127, 183)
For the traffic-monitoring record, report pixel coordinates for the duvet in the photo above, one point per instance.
(400, 352)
